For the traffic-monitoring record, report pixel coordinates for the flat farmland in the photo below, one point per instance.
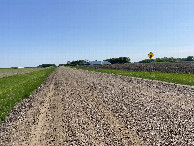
(17, 87)
(5, 72)
(180, 67)
(80, 107)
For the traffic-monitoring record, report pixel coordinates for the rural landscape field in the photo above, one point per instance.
(14, 88)
(81, 107)
(97, 73)
(5, 72)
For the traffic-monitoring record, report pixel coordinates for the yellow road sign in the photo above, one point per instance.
(150, 55)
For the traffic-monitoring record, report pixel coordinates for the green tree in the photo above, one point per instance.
(119, 60)
(190, 58)
(166, 59)
(78, 62)
(46, 65)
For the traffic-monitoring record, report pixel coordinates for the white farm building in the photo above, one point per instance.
(99, 62)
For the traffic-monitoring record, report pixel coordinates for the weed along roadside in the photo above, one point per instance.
(178, 78)
(15, 88)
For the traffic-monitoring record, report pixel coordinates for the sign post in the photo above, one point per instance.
(150, 55)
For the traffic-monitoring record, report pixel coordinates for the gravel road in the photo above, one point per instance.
(78, 107)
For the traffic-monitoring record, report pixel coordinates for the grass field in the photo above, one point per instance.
(5, 72)
(185, 79)
(15, 88)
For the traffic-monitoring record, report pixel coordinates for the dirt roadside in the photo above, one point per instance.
(77, 107)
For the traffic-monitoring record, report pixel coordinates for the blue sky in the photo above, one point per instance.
(34, 32)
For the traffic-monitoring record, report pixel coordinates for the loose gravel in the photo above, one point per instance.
(79, 107)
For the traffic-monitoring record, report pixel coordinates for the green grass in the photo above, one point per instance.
(185, 79)
(15, 88)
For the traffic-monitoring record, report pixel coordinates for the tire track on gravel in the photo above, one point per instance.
(109, 129)
(17, 128)
(48, 130)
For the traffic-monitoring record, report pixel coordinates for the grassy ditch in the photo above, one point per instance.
(185, 79)
(15, 88)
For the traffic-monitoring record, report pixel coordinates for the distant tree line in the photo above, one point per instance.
(46, 65)
(120, 60)
(166, 59)
(79, 62)
(62, 64)
(74, 63)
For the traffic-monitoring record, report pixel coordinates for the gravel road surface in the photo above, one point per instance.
(78, 107)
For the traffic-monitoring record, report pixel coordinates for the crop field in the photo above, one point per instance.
(81, 107)
(185, 79)
(5, 72)
(15, 88)
(180, 67)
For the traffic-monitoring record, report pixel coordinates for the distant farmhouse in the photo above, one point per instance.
(99, 62)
